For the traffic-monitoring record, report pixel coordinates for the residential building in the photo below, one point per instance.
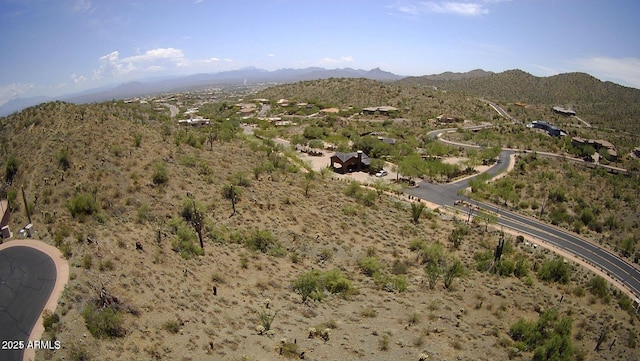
(597, 144)
(350, 162)
(549, 128)
(563, 111)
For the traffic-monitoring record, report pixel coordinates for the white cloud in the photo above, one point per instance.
(11, 91)
(620, 70)
(332, 61)
(212, 60)
(112, 66)
(171, 54)
(78, 79)
(464, 8)
(154, 60)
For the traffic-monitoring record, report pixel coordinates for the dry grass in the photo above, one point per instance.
(179, 315)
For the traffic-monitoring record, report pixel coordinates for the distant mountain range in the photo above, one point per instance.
(580, 91)
(244, 76)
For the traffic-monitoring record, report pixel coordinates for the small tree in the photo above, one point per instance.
(416, 211)
(308, 286)
(457, 235)
(451, 271)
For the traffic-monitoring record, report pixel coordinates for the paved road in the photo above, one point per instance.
(27, 278)
(447, 194)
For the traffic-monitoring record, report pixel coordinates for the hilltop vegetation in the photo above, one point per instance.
(413, 102)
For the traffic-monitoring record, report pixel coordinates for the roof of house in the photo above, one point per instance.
(383, 108)
(343, 157)
(563, 110)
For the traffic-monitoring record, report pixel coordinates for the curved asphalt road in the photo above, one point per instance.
(27, 278)
(447, 194)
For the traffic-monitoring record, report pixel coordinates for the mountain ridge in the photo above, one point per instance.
(238, 77)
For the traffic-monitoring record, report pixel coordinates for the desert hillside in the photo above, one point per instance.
(607, 104)
(306, 266)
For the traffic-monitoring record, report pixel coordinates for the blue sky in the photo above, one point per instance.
(63, 46)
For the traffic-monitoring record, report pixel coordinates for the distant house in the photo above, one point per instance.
(563, 111)
(597, 144)
(350, 162)
(390, 141)
(194, 122)
(381, 110)
(447, 119)
(549, 128)
(330, 110)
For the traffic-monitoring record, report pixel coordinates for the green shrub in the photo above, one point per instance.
(483, 260)
(504, 267)
(625, 303)
(370, 266)
(50, 320)
(185, 240)
(308, 286)
(160, 174)
(240, 179)
(104, 322)
(65, 248)
(12, 196)
(391, 283)
(266, 318)
(555, 270)
(260, 241)
(137, 140)
(353, 189)
(451, 271)
(86, 261)
(11, 168)
(549, 337)
(171, 326)
(598, 287)
(521, 267)
(63, 158)
(335, 282)
(78, 352)
(312, 284)
(229, 191)
(82, 204)
(290, 350)
(416, 211)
